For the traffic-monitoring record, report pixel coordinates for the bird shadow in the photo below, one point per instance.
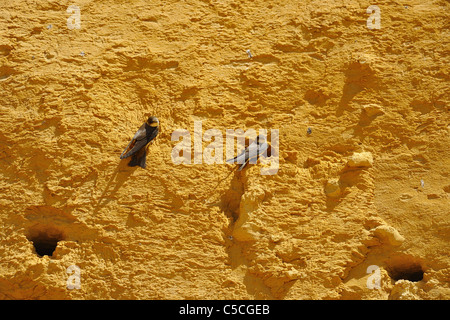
(121, 173)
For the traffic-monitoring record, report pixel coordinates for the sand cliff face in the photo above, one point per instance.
(359, 207)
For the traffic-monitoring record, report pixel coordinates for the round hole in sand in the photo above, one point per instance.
(45, 239)
(405, 268)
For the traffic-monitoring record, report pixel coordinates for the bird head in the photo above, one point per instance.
(153, 122)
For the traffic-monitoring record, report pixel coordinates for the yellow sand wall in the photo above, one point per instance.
(369, 186)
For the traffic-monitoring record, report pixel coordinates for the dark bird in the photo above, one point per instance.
(137, 146)
(255, 149)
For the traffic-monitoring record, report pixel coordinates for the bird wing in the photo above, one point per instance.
(251, 155)
(138, 159)
(255, 150)
(152, 132)
(138, 141)
(249, 152)
(262, 148)
(239, 158)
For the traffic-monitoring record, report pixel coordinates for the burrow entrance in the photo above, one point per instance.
(45, 239)
(405, 268)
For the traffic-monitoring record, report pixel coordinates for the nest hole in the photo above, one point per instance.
(45, 239)
(405, 269)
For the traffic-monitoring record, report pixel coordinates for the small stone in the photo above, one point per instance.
(293, 274)
(404, 290)
(373, 109)
(362, 159)
(332, 188)
(277, 237)
(388, 235)
(404, 197)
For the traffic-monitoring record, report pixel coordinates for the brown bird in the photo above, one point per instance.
(137, 146)
(251, 153)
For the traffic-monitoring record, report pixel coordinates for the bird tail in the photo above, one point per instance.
(138, 160)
